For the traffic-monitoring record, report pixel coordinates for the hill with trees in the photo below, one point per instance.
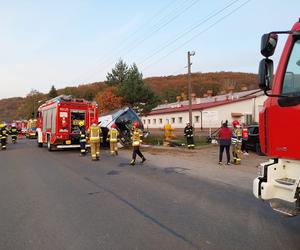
(125, 85)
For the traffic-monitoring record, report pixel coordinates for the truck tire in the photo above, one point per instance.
(49, 145)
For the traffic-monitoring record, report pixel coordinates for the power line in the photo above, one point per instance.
(198, 34)
(139, 42)
(210, 16)
(156, 24)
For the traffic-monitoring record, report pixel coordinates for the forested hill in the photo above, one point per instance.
(166, 87)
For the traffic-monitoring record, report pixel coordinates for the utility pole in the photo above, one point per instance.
(190, 86)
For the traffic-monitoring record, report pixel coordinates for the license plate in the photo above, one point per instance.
(68, 142)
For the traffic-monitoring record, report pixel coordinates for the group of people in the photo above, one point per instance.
(237, 138)
(94, 134)
(4, 132)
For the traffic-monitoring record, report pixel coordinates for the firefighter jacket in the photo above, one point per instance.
(189, 131)
(3, 134)
(136, 137)
(95, 133)
(13, 131)
(112, 135)
(236, 136)
(82, 135)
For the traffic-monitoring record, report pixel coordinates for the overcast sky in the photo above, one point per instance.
(66, 43)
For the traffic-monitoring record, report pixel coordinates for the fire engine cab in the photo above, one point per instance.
(58, 121)
(279, 123)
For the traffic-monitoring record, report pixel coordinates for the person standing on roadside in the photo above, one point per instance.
(94, 133)
(189, 134)
(136, 142)
(244, 140)
(225, 135)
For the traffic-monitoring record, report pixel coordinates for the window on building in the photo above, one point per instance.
(149, 121)
(196, 119)
(160, 121)
(173, 119)
(154, 121)
(248, 119)
(179, 119)
(144, 121)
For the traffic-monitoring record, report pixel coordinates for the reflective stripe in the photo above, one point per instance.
(82, 150)
(83, 140)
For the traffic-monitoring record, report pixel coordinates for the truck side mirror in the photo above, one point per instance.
(268, 44)
(265, 74)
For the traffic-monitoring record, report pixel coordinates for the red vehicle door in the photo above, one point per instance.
(281, 120)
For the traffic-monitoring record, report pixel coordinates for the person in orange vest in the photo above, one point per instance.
(244, 140)
(94, 133)
(136, 142)
(112, 137)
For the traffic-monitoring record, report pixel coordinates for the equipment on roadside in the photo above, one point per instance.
(168, 135)
(279, 178)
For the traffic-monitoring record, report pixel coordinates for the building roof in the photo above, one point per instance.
(235, 95)
(200, 106)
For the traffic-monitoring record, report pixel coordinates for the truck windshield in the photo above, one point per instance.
(291, 83)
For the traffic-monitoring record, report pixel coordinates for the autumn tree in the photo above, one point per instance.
(118, 73)
(108, 100)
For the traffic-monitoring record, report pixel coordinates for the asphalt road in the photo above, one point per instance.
(59, 200)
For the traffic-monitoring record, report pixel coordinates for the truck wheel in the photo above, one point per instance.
(49, 145)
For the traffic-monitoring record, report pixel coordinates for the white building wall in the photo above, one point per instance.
(223, 113)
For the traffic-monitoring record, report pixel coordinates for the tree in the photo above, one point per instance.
(136, 93)
(108, 100)
(118, 74)
(53, 92)
(31, 103)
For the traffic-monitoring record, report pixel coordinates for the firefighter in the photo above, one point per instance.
(13, 133)
(112, 137)
(136, 142)
(95, 137)
(3, 135)
(236, 141)
(244, 147)
(189, 134)
(82, 138)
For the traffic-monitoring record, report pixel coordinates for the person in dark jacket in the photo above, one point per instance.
(225, 134)
(189, 134)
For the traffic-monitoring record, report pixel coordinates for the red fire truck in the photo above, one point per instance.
(21, 126)
(31, 129)
(279, 178)
(58, 121)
